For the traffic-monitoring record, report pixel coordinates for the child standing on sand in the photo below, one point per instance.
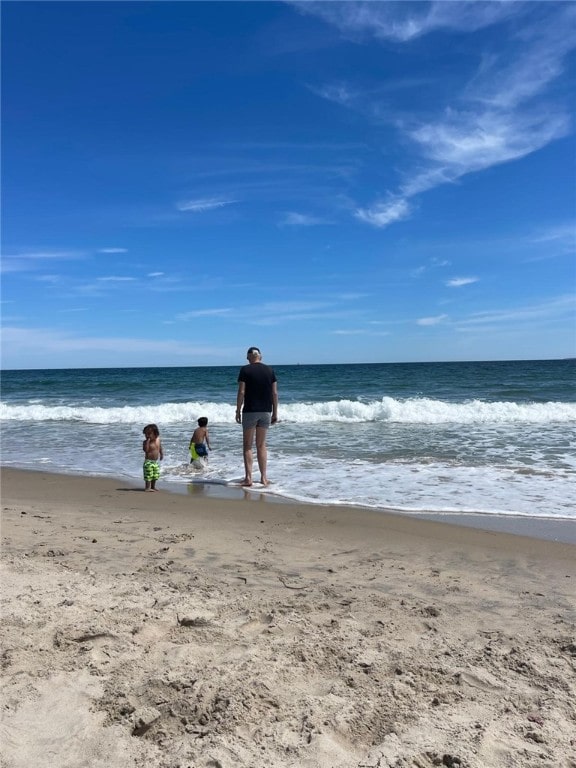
(152, 448)
(200, 441)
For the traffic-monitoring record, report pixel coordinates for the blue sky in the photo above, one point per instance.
(333, 182)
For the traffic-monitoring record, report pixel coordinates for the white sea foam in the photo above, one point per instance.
(410, 411)
(514, 468)
(436, 487)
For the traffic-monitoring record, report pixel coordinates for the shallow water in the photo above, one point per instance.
(490, 438)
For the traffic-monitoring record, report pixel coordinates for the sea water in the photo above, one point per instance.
(481, 437)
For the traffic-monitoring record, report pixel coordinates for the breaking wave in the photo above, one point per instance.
(409, 411)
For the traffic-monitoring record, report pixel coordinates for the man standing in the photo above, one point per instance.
(258, 393)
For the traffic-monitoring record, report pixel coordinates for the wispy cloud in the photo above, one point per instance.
(405, 21)
(463, 142)
(542, 44)
(432, 320)
(359, 332)
(202, 205)
(560, 307)
(293, 306)
(112, 250)
(433, 263)
(115, 279)
(340, 93)
(383, 214)
(563, 237)
(196, 313)
(277, 313)
(47, 340)
(293, 219)
(458, 282)
(28, 261)
(44, 255)
(507, 110)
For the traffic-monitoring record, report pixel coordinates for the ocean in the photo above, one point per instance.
(490, 438)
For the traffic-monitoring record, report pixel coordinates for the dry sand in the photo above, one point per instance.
(162, 630)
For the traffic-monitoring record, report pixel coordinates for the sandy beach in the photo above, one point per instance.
(166, 630)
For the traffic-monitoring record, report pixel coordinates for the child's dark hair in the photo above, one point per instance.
(202, 421)
(151, 428)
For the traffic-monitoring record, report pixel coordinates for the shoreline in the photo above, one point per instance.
(155, 630)
(545, 528)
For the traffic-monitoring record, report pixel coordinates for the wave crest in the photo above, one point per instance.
(409, 411)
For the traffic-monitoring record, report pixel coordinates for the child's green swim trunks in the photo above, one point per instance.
(151, 470)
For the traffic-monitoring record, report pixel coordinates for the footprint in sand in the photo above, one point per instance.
(257, 625)
(483, 680)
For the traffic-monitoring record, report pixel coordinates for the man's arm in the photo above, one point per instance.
(274, 402)
(240, 400)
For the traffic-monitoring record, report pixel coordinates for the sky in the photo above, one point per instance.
(333, 182)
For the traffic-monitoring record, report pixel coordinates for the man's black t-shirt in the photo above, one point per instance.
(258, 379)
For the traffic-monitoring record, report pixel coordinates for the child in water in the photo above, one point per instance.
(200, 441)
(152, 448)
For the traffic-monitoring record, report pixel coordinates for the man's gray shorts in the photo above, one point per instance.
(256, 419)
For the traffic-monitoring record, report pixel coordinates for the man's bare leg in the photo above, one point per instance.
(262, 453)
(248, 439)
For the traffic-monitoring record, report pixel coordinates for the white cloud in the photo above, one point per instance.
(31, 260)
(434, 263)
(205, 204)
(340, 93)
(563, 236)
(562, 306)
(45, 341)
(350, 296)
(155, 274)
(382, 214)
(276, 313)
(506, 116)
(292, 219)
(463, 142)
(359, 332)
(293, 306)
(112, 250)
(458, 282)
(538, 61)
(115, 279)
(41, 255)
(432, 320)
(205, 313)
(507, 110)
(405, 21)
